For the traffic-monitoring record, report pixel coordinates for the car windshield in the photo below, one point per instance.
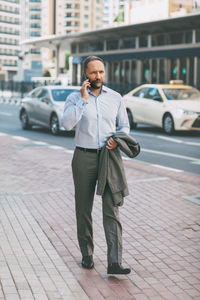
(61, 94)
(182, 94)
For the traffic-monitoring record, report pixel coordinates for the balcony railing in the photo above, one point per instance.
(16, 12)
(7, 43)
(9, 22)
(8, 54)
(10, 33)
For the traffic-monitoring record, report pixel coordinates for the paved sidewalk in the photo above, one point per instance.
(39, 255)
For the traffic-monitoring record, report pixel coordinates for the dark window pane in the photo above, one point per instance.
(158, 40)
(143, 41)
(198, 35)
(188, 37)
(83, 47)
(176, 38)
(127, 44)
(96, 46)
(73, 48)
(112, 45)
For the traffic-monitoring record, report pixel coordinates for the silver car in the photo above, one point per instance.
(44, 106)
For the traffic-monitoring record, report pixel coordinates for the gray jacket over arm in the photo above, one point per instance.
(111, 169)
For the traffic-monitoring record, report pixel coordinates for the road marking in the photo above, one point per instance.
(148, 179)
(196, 162)
(69, 151)
(6, 114)
(192, 143)
(40, 143)
(20, 138)
(170, 139)
(167, 168)
(55, 147)
(177, 141)
(170, 154)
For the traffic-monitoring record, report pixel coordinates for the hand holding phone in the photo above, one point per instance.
(85, 85)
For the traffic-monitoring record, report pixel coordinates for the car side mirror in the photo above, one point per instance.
(45, 100)
(157, 98)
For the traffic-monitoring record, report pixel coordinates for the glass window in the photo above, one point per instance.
(96, 46)
(176, 38)
(153, 93)
(188, 37)
(35, 93)
(141, 93)
(86, 25)
(158, 40)
(68, 6)
(143, 41)
(182, 94)
(86, 16)
(112, 45)
(198, 35)
(61, 94)
(83, 47)
(68, 15)
(86, 7)
(127, 43)
(73, 48)
(43, 94)
(68, 23)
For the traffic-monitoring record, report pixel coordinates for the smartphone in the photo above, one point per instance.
(84, 77)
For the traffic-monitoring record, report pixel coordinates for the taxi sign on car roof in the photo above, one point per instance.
(176, 82)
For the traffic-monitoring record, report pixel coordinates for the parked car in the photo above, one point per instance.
(44, 106)
(172, 106)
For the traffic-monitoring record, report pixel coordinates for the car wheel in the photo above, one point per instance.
(24, 120)
(168, 124)
(54, 125)
(131, 120)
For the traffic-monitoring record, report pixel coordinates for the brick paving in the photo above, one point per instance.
(39, 254)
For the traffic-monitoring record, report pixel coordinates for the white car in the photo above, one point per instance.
(44, 107)
(173, 106)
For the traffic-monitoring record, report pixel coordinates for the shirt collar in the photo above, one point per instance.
(103, 90)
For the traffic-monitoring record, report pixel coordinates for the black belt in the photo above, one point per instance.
(89, 149)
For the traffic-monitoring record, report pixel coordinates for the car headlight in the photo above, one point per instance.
(181, 111)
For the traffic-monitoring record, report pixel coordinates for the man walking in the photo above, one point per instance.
(95, 111)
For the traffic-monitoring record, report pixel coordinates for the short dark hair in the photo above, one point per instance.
(89, 59)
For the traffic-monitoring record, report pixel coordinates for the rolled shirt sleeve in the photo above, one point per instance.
(73, 110)
(122, 118)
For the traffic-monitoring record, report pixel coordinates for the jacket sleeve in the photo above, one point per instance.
(73, 110)
(122, 118)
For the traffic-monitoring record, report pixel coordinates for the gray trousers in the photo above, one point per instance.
(85, 171)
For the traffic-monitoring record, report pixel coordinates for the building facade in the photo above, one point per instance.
(112, 9)
(136, 11)
(78, 15)
(9, 38)
(152, 52)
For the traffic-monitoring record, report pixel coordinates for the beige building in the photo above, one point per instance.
(78, 15)
(148, 10)
(186, 5)
(59, 17)
(9, 37)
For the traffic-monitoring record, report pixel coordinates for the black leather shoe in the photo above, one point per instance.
(87, 262)
(116, 268)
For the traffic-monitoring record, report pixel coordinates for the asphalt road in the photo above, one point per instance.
(181, 151)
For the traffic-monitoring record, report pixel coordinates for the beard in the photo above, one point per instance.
(96, 84)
